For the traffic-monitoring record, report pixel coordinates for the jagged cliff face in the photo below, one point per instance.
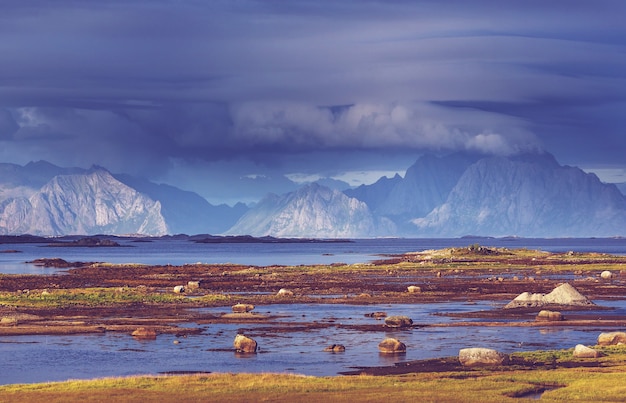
(527, 196)
(457, 195)
(92, 203)
(312, 211)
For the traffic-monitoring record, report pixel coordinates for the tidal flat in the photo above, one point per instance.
(457, 299)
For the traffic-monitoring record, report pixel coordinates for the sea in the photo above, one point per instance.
(177, 252)
(33, 359)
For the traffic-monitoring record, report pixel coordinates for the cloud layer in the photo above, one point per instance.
(149, 86)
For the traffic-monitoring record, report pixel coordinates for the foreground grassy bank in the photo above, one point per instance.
(602, 382)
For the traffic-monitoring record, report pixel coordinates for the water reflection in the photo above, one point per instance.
(26, 359)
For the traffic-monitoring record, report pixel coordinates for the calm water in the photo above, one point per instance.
(180, 252)
(27, 359)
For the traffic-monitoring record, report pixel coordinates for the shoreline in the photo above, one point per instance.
(93, 298)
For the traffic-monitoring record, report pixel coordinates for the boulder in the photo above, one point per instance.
(398, 321)
(244, 344)
(193, 285)
(8, 321)
(241, 308)
(414, 289)
(482, 357)
(581, 351)
(564, 294)
(549, 316)
(612, 338)
(335, 348)
(179, 289)
(283, 292)
(606, 275)
(391, 346)
(143, 333)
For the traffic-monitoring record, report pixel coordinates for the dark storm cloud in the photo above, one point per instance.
(144, 86)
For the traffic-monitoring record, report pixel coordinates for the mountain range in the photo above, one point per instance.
(528, 195)
(43, 199)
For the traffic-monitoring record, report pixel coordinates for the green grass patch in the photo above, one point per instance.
(100, 296)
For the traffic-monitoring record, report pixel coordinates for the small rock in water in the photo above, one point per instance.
(335, 348)
(283, 292)
(242, 308)
(550, 316)
(391, 345)
(606, 275)
(398, 321)
(244, 344)
(143, 333)
(376, 315)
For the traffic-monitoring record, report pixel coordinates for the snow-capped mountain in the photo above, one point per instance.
(529, 195)
(526, 195)
(91, 203)
(184, 211)
(43, 199)
(311, 211)
(426, 185)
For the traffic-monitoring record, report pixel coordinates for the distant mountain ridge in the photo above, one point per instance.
(43, 199)
(89, 203)
(527, 195)
(312, 210)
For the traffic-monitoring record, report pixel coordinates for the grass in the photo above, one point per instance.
(98, 296)
(603, 383)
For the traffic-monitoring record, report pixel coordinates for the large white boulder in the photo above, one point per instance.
(564, 294)
(482, 357)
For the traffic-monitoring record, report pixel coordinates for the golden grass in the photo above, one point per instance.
(604, 383)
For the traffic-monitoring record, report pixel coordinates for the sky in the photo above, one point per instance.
(236, 98)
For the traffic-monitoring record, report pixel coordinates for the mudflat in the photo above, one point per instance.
(98, 297)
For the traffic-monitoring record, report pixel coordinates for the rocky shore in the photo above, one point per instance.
(97, 297)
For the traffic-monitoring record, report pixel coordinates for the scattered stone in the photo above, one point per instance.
(606, 275)
(193, 285)
(550, 316)
(8, 321)
(335, 348)
(612, 338)
(482, 357)
(376, 315)
(179, 289)
(143, 333)
(581, 351)
(244, 344)
(240, 308)
(283, 292)
(391, 346)
(414, 289)
(564, 294)
(398, 321)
